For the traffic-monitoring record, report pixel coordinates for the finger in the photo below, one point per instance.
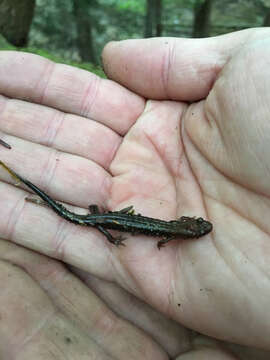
(36, 79)
(67, 178)
(31, 325)
(65, 132)
(169, 68)
(61, 299)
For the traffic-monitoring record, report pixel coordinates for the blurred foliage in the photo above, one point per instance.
(54, 29)
(86, 66)
(4, 44)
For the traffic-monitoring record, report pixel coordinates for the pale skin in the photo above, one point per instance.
(86, 140)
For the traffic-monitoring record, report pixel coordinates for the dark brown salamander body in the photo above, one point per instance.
(124, 220)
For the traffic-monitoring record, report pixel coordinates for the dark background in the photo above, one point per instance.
(75, 31)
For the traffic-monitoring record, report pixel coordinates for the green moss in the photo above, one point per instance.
(4, 45)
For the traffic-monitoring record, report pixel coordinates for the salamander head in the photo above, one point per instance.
(198, 226)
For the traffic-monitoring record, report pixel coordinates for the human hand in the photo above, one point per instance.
(221, 281)
(85, 148)
(152, 170)
(48, 312)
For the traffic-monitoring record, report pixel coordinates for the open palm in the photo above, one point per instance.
(86, 140)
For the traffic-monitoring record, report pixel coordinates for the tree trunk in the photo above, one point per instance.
(266, 21)
(84, 31)
(149, 18)
(153, 23)
(15, 20)
(158, 17)
(202, 15)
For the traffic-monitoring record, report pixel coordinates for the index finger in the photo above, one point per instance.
(36, 79)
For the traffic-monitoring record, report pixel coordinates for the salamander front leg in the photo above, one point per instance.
(164, 240)
(128, 210)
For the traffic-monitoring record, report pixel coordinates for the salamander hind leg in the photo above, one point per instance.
(113, 240)
(36, 200)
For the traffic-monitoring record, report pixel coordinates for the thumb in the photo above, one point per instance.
(173, 68)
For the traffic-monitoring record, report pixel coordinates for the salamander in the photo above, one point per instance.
(125, 220)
